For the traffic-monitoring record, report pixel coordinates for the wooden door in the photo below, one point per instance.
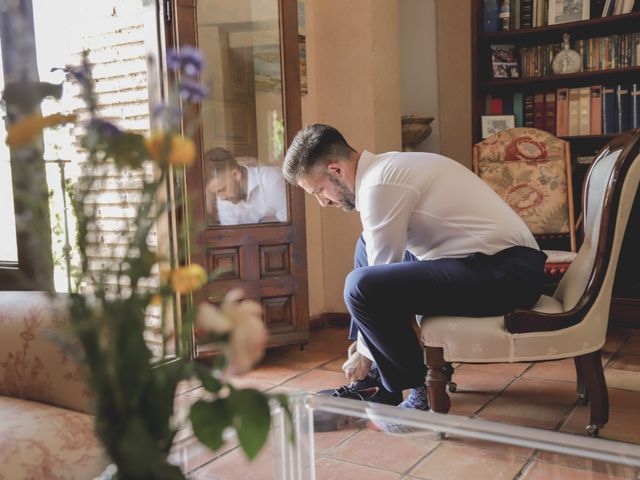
(252, 113)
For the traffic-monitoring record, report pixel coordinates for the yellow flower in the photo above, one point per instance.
(155, 300)
(187, 279)
(182, 150)
(24, 131)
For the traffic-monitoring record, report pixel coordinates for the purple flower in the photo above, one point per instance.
(192, 91)
(188, 59)
(105, 129)
(174, 60)
(80, 73)
(166, 114)
(192, 61)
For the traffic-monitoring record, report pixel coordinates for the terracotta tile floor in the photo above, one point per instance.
(540, 395)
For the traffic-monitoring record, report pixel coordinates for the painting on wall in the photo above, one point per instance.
(266, 61)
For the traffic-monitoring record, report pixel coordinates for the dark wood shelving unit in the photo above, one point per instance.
(570, 79)
(553, 33)
(626, 305)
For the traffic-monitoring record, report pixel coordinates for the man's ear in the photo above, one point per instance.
(335, 169)
(237, 174)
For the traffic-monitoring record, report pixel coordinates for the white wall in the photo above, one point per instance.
(419, 65)
(354, 85)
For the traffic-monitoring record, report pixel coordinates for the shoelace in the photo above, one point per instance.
(346, 391)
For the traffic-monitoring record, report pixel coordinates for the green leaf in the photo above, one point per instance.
(209, 382)
(136, 452)
(127, 149)
(209, 419)
(251, 419)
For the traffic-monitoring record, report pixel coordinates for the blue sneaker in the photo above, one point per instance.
(417, 399)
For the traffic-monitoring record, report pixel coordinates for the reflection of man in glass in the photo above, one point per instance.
(243, 193)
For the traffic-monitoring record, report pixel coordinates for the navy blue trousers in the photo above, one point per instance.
(383, 299)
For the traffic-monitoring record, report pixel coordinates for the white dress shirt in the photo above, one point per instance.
(433, 207)
(266, 199)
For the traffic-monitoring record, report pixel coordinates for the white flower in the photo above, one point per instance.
(248, 336)
(211, 319)
(242, 319)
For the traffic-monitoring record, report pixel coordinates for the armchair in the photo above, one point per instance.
(531, 170)
(46, 430)
(570, 324)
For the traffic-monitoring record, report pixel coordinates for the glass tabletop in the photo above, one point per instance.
(337, 438)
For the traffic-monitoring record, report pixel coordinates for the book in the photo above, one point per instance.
(518, 109)
(526, 13)
(595, 8)
(562, 112)
(515, 14)
(584, 105)
(490, 15)
(527, 111)
(596, 109)
(507, 105)
(608, 110)
(538, 110)
(550, 112)
(622, 109)
(618, 7)
(627, 6)
(634, 106)
(574, 111)
(504, 16)
(496, 106)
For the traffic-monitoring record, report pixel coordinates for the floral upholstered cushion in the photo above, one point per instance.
(32, 365)
(527, 168)
(43, 442)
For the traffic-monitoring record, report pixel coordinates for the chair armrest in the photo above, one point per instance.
(523, 320)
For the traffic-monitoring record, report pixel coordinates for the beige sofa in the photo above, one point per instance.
(46, 431)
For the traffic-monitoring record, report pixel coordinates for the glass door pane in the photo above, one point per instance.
(241, 120)
(8, 243)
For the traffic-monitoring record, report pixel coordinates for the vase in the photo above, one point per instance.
(415, 129)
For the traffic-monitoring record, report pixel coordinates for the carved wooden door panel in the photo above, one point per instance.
(250, 225)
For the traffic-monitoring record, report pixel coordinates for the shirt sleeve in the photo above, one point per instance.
(277, 195)
(226, 212)
(386, 212)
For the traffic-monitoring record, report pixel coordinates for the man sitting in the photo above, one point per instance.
(436, 240)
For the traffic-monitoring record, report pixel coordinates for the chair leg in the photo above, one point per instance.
(581, 387)
(437, 380)
(448, 371)
(596, 386)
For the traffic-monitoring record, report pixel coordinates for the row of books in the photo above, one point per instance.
(598, 53)
(509, 15)
(592, 110)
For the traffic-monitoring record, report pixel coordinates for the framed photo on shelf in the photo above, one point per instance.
(496, 123)
(503, 62)
(563, 11)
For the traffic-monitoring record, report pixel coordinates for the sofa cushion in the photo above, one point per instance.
(39, 441)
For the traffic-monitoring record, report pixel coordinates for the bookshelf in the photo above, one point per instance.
(626, 310)
(483, 84)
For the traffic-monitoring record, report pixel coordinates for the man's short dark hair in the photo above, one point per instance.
(313, 145)
(220, 160)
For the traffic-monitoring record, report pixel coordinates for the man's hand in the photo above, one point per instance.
(357, 365)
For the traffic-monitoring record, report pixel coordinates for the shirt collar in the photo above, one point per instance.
(365, 161)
